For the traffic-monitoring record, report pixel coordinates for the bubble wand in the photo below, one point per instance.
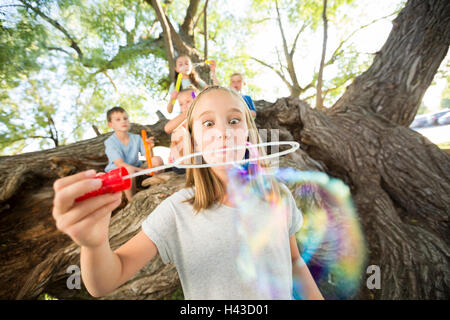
(147, 148)
(178, 163)
(178, 84)
(201, 63)
(119, 179)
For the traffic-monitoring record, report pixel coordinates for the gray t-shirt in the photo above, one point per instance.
(205, 247)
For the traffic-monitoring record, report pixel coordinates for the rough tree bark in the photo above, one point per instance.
(398, 179)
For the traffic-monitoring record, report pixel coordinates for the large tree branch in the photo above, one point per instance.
(162, 18)
(205, 28)
(294, 46)
(198, 18)
(295, 88)
(280, 63)
(178, 43)
(319, 98)
(187, 27)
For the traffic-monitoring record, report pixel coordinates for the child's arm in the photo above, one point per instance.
(174, 123)
(212, 67)
(131, 169)
(87, 223)
(103, 270)
(251, 106)
(303, 281)
(173, 96)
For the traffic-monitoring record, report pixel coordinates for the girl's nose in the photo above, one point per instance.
(223, 133)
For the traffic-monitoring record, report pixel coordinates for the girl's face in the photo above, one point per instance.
(219, 122)
(236, 83)
(185, 100)
(183, 65)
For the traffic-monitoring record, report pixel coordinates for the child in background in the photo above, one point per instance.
(236, 83)
(183, 64)
(122, 147)
(193, 228)
(176, 127)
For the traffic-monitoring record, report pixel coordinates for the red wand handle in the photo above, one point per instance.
(112, 181)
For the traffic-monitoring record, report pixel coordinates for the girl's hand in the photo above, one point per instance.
(177, 136)
(174, 95)
(85, 222)
(212, 65)
(132, 169)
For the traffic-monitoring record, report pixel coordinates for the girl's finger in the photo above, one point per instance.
(85, 208)
(93, 218)
(66, 181)
(65, 198)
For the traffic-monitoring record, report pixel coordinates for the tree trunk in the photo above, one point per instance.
(403, 69)
(398, 179)
(399, 182)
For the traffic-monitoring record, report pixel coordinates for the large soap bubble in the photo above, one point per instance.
(330, 240)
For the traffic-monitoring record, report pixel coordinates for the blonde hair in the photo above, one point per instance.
(208, 188)
(237, 74)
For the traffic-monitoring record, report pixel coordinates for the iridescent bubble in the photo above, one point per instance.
(330, 240)
(260, 228)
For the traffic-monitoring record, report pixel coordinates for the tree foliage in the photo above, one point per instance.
(94, 55)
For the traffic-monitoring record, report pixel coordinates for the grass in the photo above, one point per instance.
(177, 295)
(445, 146)
(46, 296)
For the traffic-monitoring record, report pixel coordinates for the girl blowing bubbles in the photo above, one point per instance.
(193, 228)
(183, 65)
